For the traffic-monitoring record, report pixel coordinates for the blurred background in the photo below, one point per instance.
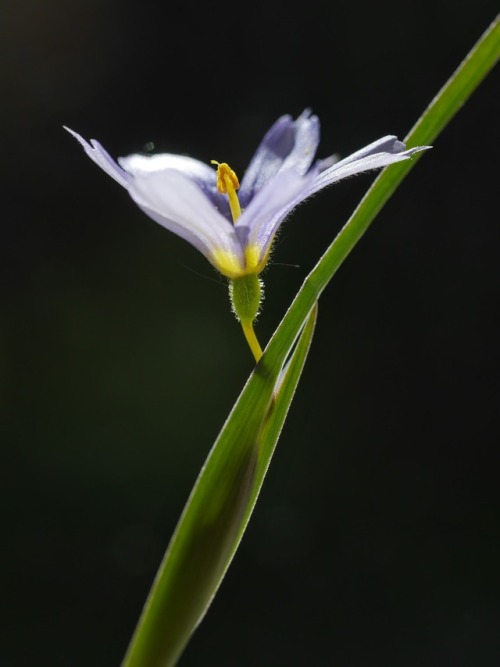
(375, 541)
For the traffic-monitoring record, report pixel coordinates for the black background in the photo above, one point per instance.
(375, 541)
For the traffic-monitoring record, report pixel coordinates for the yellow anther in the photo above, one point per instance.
(227, 184)
(226, 178)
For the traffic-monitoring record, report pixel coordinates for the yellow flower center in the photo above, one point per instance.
(245, 287)
(227, 184)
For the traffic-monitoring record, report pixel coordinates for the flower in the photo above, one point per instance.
(236, 232)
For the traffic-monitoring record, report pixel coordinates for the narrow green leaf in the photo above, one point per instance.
(225, 493)
(216, 513)
(471, 72)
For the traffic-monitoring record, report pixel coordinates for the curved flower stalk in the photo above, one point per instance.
(235, 232)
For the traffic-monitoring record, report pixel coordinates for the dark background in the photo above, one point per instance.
(375, 541)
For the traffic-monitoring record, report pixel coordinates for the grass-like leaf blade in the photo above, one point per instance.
(217, 512)
(225, 493)
(450, 99)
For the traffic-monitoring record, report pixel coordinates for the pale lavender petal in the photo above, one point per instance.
(328, 162)
(177, 204)
(381, 153)
(265, 213)
(387, 144)
(201, 173)
(102, 158)
(288, 144)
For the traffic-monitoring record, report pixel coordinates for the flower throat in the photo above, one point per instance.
(245, 292)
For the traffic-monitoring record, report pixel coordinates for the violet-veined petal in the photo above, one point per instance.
(258, 223)
(306, 143)
(388, 144)
(365, 160)
(102, 158)
(199, 172)
(287, 144)
(177, 204)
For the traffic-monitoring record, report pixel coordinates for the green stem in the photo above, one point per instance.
(476, 65)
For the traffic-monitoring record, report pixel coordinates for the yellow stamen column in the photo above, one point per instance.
(245, 291)
(227, 184)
